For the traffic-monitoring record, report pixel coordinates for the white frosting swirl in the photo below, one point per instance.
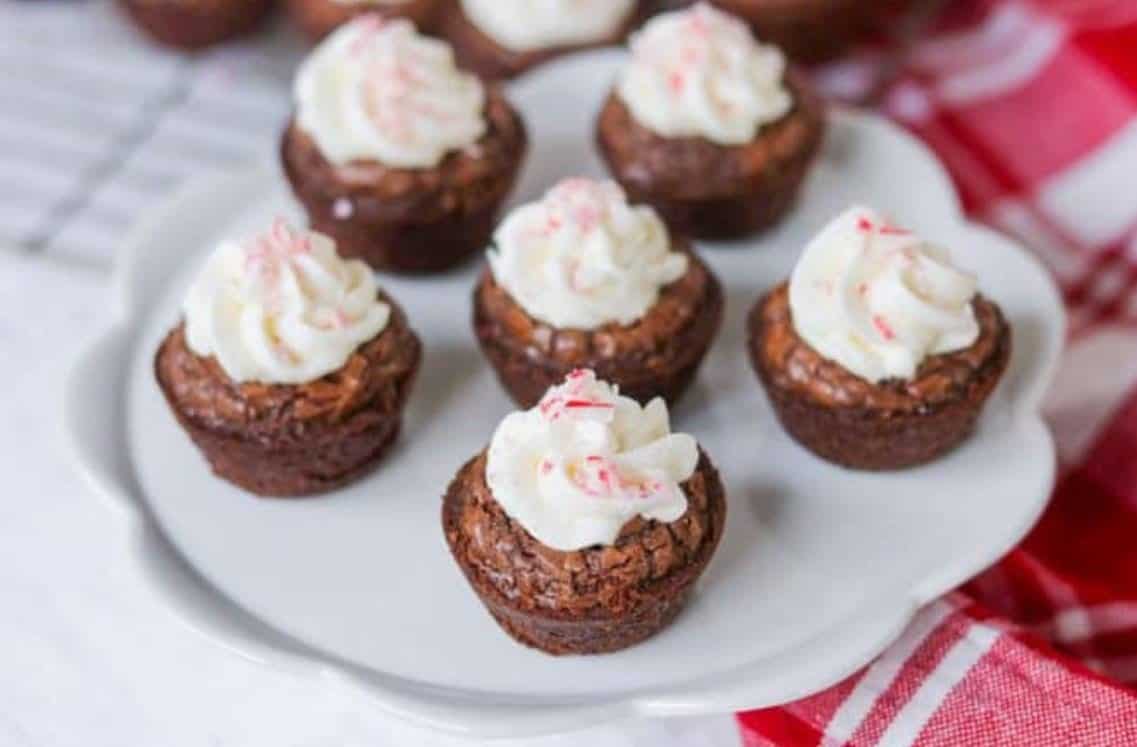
(701, 73)
(583, 257)
(576, 468)
(282, 307)
(378, 90)
(527, 25)
(877, 299)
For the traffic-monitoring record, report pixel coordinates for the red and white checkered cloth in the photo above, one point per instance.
(1032, 104)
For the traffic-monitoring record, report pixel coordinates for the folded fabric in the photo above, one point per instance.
(958, 676)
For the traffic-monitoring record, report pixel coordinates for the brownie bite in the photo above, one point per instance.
(707, 125)
(582, 279)
(878, 354)
(318, 18)
(573, 544)
(195, 24)
(290, 369)
(397, 154)
(504, 38)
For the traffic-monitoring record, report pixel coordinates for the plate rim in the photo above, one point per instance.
(205, 609)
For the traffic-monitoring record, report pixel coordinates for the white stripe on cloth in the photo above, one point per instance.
(952, 669)
(1020, 219)
(1110, 283)
(1017, 66)
(1072, 620)
(1095, 376)
(1085, 200)
(908, 101)
(1076, 625)
(883, 671)
(1004, 29)
(1060, 593)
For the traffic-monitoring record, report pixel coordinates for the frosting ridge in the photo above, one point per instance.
(378, 90)
(281, 307)
(701, 73)
(878, 299)
(585, 461)
(582, 257)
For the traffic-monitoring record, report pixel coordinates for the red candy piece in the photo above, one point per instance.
(883, 327)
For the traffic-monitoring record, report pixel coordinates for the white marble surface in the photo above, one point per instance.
(89, 657)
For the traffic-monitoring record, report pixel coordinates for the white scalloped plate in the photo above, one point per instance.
(819, 570)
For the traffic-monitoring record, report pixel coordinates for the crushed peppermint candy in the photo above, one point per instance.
(582, 202)
(601, 477)
(266, 252)
(884, 328)
(574, 470)
(575, 397)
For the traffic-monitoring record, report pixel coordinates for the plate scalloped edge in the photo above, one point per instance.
(94, 400)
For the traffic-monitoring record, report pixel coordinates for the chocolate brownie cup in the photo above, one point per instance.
(582, 279)
(878, 354)
(503, 38)
(399, 156)
(571, 548)
(318, 18)
(195, 24)
(309, 396)
(706, 126)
